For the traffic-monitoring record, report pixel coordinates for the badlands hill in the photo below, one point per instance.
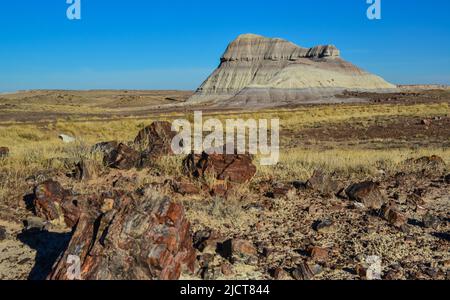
(257, 70)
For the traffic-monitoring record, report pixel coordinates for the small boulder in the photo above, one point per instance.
(368, 193)
(235, 168)
(431, 221)
(4, 152)
(156, 139)
(238, 250)
(55, 204)
(318, 254)
(303, 272)
(393, 216)
(323, 183)
(66, 138)
(2, 233)
(86, 170)
(122, 157)
(324, 226)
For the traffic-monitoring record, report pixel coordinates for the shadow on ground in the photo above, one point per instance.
(49, 246)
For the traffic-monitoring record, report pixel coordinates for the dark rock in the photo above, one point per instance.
(4, 152)
(55, 204)
(393, 216)
(122, 157)
(447, 179)
(367, 193)
(86, 170)
(430, 221)
(156, 140)
(184, 187)
(105, 147)
(280, 274)
(324, 226)
(235, 168)
(303, 272)
(238, 250)
(146, 238)
(323, 183)
(2, 233)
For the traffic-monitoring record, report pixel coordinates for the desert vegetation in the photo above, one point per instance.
(273, 217)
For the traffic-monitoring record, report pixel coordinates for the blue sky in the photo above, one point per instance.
(144, 44)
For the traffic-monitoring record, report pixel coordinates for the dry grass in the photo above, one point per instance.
(35, 147)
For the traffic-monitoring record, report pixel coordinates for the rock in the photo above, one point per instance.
(141, 239)
(235, 168)
(368, 193)
(66, 138)
(447, 179)
(430, 221)
(86, 170)
(281, 190)
(259, 70)
(324, 226)
(303, 272)
(319, 254)
(105, 147)
(393, 216)
(238, 250)
(323, 184)
(156, 139)
(184, 187)
(2, 233)
(122, 157)
(4, 152)
(280, 274)
(426, 122)
(55, 204)
(227, 269)
(35, 223)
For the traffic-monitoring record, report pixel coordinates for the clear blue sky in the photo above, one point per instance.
(144, 44)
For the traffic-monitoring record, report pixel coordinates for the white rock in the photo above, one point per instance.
(66, 139)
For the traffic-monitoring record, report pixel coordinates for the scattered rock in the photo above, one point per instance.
(324, 226)
(142, 239)
(227, 269)
(430, 221)
(368, 193)
(280, 274)
(55, 204)
(426, 122)
(303, 272)
(280, 190)
(319, 254)
(122, 157)
(236, 168)
(447, 179)
(156, 140)
(238, 250)
(2, 233)
(86, 170)
(184, 187)
(66, 138)
(4, 152)
(393, 216)
(35, 224)
(323, 183)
